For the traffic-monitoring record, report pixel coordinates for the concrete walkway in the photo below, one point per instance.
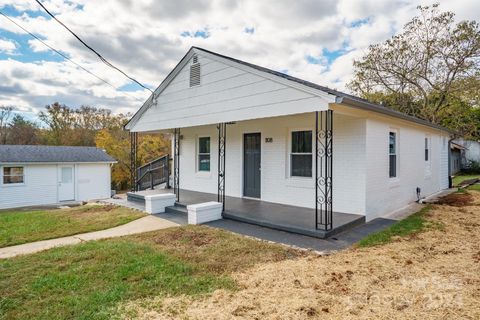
(145, 224)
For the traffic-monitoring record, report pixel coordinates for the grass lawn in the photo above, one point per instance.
(17, 227)
(91, 280)
(474, 187)
(460, 178)
(412, 224)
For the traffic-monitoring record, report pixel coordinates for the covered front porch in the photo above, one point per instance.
(268, 214)
(277, 172)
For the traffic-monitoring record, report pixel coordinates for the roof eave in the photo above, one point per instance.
(389, 112)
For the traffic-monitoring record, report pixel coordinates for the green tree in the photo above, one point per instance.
(429, 70)
(22, 131)
(116, 142)
(59, 120)
(5, 114)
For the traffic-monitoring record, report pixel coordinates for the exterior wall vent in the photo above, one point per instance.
(195, 74)
(195, 59)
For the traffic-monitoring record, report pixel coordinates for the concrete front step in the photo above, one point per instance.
(177, 208)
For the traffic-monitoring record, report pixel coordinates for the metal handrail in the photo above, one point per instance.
(160, 165)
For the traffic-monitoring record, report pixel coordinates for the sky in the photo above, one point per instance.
(312, 40)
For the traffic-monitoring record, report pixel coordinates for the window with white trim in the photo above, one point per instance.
(392, 154)
(301, 154)
(203, 154)
(13, 175)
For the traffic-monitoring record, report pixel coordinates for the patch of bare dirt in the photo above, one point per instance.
(190, 236)
(456, 199)
(435, 274)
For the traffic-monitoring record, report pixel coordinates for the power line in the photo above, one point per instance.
(64, 56)
(91, 49)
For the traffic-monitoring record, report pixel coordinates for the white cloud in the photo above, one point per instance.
(144, 39)
(7, 46)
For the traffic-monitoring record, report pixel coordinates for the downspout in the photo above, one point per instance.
(449, 150)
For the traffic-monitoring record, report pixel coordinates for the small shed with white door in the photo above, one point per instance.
(40, 175)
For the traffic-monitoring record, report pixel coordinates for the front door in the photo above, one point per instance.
(66, 187)
(251, 165)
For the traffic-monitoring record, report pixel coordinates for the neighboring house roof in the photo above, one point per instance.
(341, 97)
(52, 154)
(457, 146)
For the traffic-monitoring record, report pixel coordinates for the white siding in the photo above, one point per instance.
(384, 194)
(226, 93)
(40, 187)
(93, 181)
(276, 185)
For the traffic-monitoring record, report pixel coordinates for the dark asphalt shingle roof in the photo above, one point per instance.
(53, 154)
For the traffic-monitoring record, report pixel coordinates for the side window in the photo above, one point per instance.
(204, 154)
(13, 175)
(301, 154)
(392, 154)
(427, 148)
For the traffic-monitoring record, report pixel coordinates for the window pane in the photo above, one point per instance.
(204, 145)
(12, 179)
(302, 142)
(10, 171)
(392, 143)
(66, 175)
(301, 165)
(204, 162)
(393, 166)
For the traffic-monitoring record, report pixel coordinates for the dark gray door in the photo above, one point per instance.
(251, 165)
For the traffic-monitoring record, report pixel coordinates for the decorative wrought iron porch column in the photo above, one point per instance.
(324, 170)
(176, 163)
(133, 161)
(222, 140)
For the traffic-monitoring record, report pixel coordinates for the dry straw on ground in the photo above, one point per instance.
(431, 275)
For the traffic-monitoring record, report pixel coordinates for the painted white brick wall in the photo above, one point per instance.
(385, 194)
(276, 185)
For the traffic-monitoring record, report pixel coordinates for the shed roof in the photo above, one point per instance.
(52, 154)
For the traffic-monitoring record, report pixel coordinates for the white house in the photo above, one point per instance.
(311, 157)
(38, 175)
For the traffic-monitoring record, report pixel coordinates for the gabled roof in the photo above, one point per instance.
(52, 154)
(341, 97)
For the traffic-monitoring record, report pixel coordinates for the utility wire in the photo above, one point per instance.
(64, 56)
(91, 49)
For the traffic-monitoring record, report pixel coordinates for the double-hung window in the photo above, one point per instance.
(204, 154)
(301, 154)
(13, 175)
(427, 156)
(392, 151)
(426, 149)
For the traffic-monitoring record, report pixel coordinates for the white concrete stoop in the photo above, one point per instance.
(204, 212)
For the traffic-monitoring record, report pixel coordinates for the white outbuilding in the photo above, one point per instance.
(41, 175)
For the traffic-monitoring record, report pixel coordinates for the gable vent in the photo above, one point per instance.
(195, 59)
(195, 75)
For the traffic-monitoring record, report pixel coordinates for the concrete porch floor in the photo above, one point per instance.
(288, 218)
